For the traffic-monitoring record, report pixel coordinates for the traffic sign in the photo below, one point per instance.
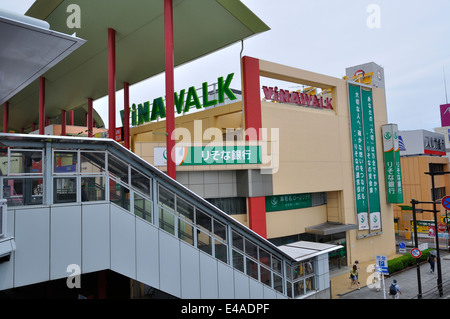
(402, 248)
(416, 253)
(382, 264)
(446, 201)
(442, 227)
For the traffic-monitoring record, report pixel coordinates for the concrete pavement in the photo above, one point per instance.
(406, 279)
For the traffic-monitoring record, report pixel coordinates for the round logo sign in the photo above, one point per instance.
(416, 253)
(446, 202)
(447, 220)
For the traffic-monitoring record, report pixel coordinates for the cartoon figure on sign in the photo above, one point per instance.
(431, 231)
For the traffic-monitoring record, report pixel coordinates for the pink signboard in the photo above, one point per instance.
(445, 115)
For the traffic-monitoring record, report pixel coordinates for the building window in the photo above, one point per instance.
(194, 226)
(257, 262)
(436, 167)
(230, 205)
(65, 162)
(301, 278)
(22, 179)
(439, 192)
(22, 191)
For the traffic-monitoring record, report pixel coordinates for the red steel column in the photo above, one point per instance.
(72, 117)
(252, 95)
(170, 114)
(90, 119)
(41, 105)
(63, 122)
(253, 124)
(257, 215)
(126, 117)
(112, 83)
(5, 117)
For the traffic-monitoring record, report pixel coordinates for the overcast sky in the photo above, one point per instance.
(410, 39)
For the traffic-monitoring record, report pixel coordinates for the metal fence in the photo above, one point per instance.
(407, 237)
(433, 293)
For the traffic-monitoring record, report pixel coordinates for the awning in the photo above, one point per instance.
(329, 228)
(302, 250)
(29, 49)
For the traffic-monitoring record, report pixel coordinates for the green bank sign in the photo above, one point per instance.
(365, 168)
(185, 100)
(393, 171)
(287, 202)
(210, 155)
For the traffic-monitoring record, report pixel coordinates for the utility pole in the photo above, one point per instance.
(416, 244)
(432, 173)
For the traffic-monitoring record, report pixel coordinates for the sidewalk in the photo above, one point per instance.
(407, 280)
(340, 282)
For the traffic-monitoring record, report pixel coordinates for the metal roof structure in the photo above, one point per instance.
(200, 27)
(25, 53)
(303, 250)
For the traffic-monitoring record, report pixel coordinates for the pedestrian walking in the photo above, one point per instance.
(394, 290)
(354, 277)
(431, 260)
(357, 273)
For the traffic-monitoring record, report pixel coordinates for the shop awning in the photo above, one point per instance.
(329, 228)
(28, 49)
(200, 28)
(302, 250)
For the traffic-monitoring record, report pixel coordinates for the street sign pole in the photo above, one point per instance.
(432, 173)
(381, 265)
(416, 245)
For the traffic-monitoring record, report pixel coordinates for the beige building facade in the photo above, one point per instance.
(303, 183)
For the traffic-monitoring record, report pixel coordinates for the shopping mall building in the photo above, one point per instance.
(266, 187)
(291, 165)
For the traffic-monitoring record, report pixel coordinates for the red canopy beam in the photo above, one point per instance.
(41, 105)
(169, 65)
(63, 122)
(5, 117)
(126, 117)
(90, 119)
(112, 82)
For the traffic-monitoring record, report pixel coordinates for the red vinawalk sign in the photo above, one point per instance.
(303, 99)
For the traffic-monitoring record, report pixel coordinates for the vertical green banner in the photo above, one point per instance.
(370, 144)
(394, 188)
(359, 164)
(398, 168)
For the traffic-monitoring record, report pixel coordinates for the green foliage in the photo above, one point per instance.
(406, 261)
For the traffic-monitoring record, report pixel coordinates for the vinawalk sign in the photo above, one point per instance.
(365, 169)
(301, 99)
(141, 113)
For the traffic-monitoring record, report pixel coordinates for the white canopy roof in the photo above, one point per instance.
(302, 250)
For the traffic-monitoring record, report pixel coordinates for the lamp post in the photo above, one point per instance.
(416, 244)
